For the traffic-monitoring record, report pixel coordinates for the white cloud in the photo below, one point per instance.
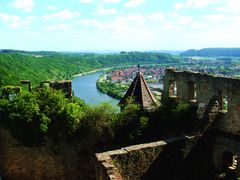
(174, 14)
(29, 20)
(86, 1)
(134, 3)
(123, 22)
(129, 28)
(185, 20)
(103, 11)
(203, 3)
(57, 27)
(101, 1)
(232, 6)
(7, 18)
(199, 25)
(169, 26)
(26, 5)
(111, 1)
(52, 8)
(234, 21)
(195, 4)
(94, 23)
(214, 17)
(134, 19)
(133, 34)
(178, 5)
(224, 37)
(14, 21)
(65, 14)
(157, 16)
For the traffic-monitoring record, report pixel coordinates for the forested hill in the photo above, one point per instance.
(213, 52)
(31, 53)
(55, 66)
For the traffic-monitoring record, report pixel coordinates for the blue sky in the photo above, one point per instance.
(74, 25)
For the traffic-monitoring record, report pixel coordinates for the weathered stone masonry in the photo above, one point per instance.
(135, 162)
(204, 87)
(217, 146)
(65, 86)
(199, 89)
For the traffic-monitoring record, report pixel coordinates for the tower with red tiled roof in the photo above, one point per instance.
(140, 93)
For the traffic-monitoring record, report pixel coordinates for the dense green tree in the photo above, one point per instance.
(33, 115)
(129, 124)
(115, 90)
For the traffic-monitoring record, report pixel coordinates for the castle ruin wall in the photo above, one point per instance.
(134, 162)
(208, 86)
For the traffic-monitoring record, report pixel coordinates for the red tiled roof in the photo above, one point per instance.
(140, 92)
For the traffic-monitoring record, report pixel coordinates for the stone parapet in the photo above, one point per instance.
(133, 162)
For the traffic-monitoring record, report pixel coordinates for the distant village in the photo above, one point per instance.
(126, 76)
(155, 73)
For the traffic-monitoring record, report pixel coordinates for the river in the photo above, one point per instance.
(85, 88)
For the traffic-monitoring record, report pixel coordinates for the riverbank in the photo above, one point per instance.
(106, 69)
(115, 90)
(93, 71)
(85, 88)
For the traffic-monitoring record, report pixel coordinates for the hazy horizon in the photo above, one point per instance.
(95, 50)
(118, 25)
(117, 51)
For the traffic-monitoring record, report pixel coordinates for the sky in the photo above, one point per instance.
(129, 25)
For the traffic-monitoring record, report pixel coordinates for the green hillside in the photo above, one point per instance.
(55, 66)
(213, 52)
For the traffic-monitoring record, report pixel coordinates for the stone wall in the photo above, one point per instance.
(26, 83)
(59, 160)
(224, 119)
(225, 142)
(138, 161)
(8, 91)
(20, 162)
(207, 86)
(65, 86)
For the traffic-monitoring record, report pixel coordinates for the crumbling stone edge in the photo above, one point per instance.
(105, 166)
